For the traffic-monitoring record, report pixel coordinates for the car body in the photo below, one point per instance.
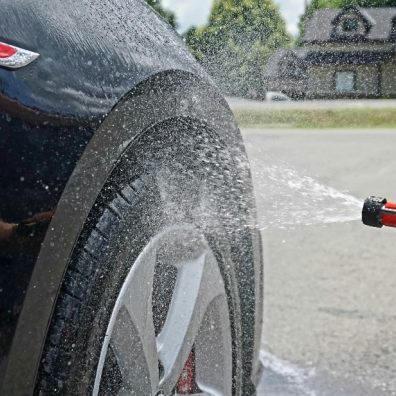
(63, 130)
(276, 97)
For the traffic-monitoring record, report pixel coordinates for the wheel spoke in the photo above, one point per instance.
(198, 283)
(129, 353)
(214, 344)
(133, 338)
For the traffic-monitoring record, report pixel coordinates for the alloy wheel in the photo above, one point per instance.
(169, 332)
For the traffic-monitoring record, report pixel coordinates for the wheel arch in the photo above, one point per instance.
(171, 94)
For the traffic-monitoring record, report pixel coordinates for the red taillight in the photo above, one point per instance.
(14, 57)
(6, 51)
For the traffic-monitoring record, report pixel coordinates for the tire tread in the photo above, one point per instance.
(77, 284)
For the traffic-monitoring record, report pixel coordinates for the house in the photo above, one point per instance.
(286, 71)
(345, 53)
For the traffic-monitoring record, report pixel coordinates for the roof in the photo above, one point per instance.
(320, 27)
(282, 54)
(348, 58)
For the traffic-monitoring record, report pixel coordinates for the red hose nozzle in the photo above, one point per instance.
(378, 212)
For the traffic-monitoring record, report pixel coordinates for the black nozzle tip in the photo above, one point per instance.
(371, 213)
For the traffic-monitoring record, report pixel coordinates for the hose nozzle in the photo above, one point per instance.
(378, 212)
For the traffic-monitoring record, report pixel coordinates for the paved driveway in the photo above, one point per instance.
(330, 282)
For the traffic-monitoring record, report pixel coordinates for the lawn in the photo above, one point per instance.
(317, 118)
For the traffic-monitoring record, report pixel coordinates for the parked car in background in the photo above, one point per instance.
(130, 263)
(276, 97)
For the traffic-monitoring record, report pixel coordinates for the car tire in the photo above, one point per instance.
(173, 194)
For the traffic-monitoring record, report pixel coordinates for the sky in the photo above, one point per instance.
(195, 12)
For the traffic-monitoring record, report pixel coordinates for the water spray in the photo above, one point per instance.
(378, 212)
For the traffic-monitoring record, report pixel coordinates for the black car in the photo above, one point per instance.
(130, 261)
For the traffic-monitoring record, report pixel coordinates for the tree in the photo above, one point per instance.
(166, 14)
(320, 4)
(237, 42)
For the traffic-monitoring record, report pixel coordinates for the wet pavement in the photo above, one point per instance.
(281, 378)
(330, 282)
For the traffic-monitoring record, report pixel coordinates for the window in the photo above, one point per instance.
(393, 31)
(345, 81)
(350, 25)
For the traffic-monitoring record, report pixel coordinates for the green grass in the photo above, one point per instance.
(317, 118)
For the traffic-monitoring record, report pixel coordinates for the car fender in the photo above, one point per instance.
(91, 53)
(167, 95)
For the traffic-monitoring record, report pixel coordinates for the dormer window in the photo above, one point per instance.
(350, 25)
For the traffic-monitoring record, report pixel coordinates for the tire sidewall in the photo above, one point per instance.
(133, 226)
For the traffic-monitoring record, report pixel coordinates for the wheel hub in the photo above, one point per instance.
(190, 352)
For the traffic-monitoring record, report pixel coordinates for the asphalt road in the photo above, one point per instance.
(330, 282)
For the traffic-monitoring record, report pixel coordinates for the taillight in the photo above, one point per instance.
(6, 50)
(14, 57)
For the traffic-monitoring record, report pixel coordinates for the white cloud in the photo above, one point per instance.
(189, 12)
(196, 12)
(291, 11)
